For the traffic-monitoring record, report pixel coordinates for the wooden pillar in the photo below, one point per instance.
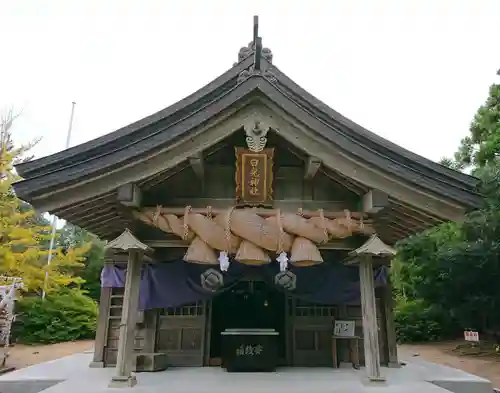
(369, 311)
(390, 326)
(102, 327)
(124, 363)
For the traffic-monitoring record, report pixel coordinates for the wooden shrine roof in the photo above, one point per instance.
(46, 180)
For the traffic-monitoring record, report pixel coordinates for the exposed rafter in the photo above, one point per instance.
(83, 205)
(350, 185)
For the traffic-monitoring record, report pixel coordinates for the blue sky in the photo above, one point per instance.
(412, 71)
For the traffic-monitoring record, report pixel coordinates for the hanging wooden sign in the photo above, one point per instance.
(254, 177)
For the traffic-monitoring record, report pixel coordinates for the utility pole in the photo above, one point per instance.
(54, 218)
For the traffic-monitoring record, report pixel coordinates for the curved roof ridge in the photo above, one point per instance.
(128, 144)
(460, 186)
(34, 167)
(370, 135)
(390, 161)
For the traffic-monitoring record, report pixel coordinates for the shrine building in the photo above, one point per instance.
(249, 226)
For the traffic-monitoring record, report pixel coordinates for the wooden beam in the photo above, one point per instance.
(129, 195)
(286, 205)
(179, 211)
(196, 162)
(312, 166)
(336, 244)
(374, 201)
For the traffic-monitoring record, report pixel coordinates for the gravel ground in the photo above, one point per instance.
(26, 355)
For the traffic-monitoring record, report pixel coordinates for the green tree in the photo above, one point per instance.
(454, 268)
(64, 315)
(482, 146)
(22, 235)
(73, 236)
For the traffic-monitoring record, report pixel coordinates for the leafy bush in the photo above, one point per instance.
(65, 315)
(418, 322)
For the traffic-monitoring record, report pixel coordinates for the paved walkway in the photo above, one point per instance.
(441, 353)
(77, 377)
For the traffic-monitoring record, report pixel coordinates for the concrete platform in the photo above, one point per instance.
(71, 374)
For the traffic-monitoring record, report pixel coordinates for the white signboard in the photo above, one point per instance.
(469, 335)
(344, 328)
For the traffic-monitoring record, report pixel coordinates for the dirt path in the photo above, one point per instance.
(441, 353)
(27, 355)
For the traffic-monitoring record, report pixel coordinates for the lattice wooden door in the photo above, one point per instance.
(181, 334)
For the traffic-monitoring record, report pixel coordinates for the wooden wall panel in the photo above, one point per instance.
(181, 334)
(311, 328)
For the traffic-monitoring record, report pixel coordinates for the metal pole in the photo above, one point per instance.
(54, 219)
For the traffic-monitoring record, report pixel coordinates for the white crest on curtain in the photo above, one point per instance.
(223, 261)
(283, 261)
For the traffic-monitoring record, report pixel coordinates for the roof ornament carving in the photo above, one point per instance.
(256, 135)
(248, 50)
(266, 73)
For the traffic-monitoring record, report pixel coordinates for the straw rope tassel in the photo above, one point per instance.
(223, 255)
(282, 258)
(185, 223)
(157, 214)
(323, 225)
